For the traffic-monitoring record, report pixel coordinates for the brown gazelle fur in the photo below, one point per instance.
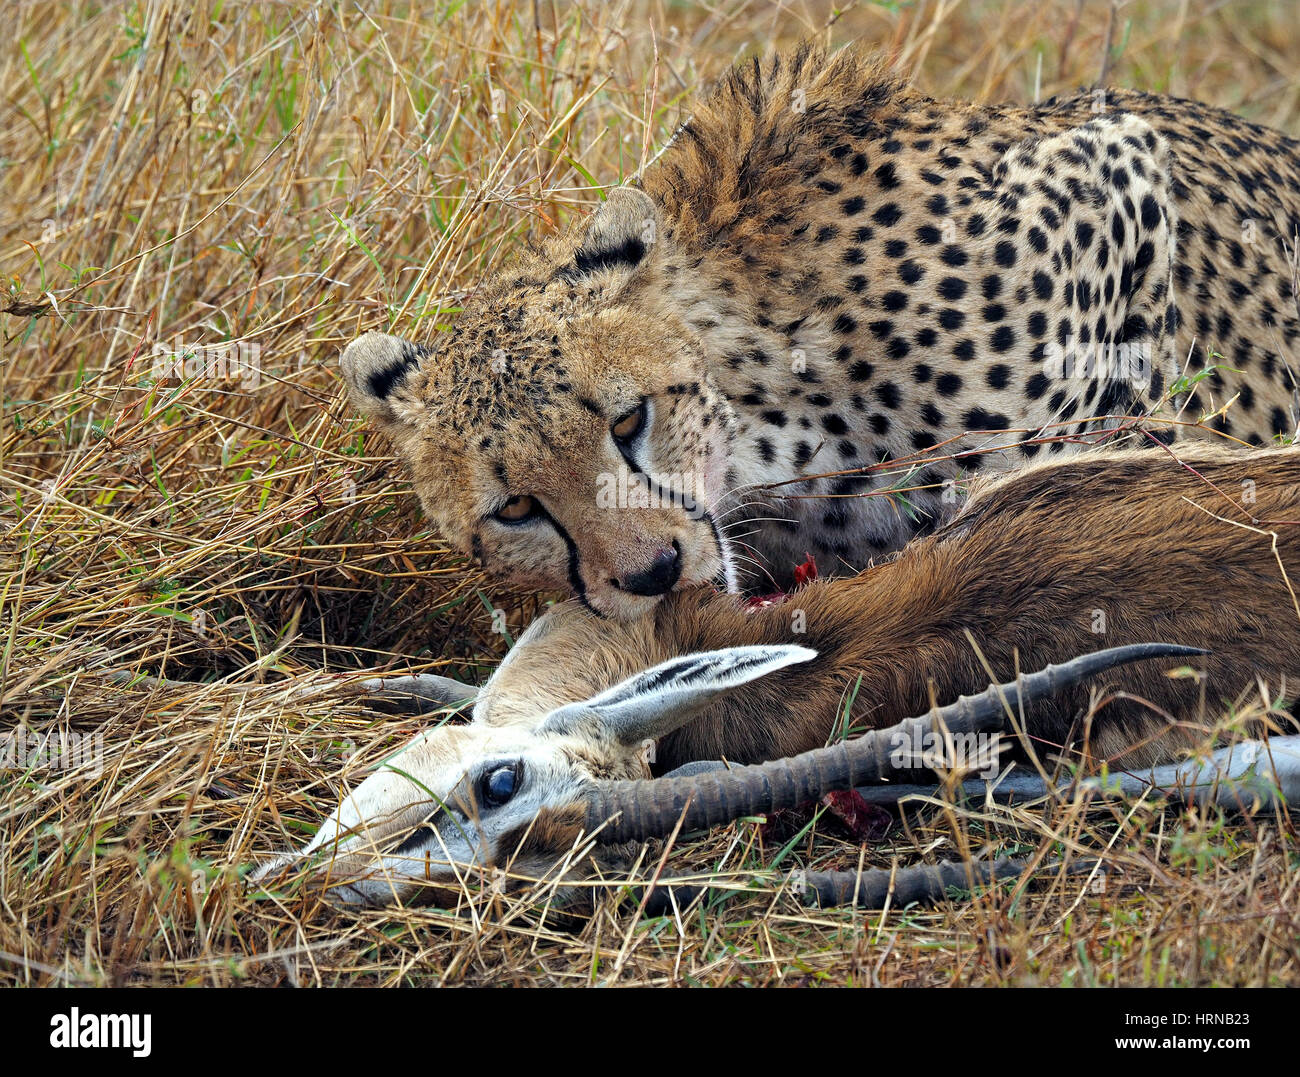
(1054, 561)
(1096, 551)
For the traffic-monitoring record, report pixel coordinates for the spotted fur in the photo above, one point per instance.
(824, 270)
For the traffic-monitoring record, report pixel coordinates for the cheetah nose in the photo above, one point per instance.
(663, 572)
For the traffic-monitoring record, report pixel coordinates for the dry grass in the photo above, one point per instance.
(266, 175)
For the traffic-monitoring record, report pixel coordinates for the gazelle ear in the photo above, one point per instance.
(375, 367)
(652, 704)
(618, 236)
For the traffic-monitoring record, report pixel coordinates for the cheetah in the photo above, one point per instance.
(825, 270)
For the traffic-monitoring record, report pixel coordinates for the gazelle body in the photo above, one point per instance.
(1062, 559)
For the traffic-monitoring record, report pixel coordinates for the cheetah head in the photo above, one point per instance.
(566, 433)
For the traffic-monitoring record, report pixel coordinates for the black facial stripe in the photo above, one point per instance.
(672, 497)
(575, 562)
(590, 405)
(717, 539)
(457, 810)
(419, 832)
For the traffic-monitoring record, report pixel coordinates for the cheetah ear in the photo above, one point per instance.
(618, 236)
(375, 368)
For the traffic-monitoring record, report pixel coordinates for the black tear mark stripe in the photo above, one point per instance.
(382, 382)
(576, 583)
(459, 809)
(655, 488)
(426, 827)
(722, 550)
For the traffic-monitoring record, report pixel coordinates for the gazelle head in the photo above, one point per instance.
(463, 800)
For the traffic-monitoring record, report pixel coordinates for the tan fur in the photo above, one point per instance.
(825, 269)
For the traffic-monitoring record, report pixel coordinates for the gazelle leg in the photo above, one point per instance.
(420, 693)
(1240, 775)
(876, 888)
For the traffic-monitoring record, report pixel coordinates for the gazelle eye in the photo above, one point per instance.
(517, 509)
(626, 428)
(499, 785)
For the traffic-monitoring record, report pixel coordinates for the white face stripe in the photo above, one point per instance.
(410, 802)
(724, 555)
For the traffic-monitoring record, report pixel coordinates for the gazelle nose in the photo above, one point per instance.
(663, 572)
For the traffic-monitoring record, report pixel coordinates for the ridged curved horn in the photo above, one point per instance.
(636, 810)
(876, 887)
(924, 883)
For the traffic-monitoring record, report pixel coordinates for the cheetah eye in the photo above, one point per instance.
(627, 427)
(517, 509)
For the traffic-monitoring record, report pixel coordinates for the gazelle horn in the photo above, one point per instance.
(635, 810)
(926, 884)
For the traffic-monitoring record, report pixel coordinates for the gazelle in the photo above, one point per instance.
(1171, 563)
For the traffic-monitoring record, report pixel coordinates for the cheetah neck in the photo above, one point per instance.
(793, 472)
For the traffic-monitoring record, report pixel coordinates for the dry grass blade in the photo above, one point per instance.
(244, 187)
